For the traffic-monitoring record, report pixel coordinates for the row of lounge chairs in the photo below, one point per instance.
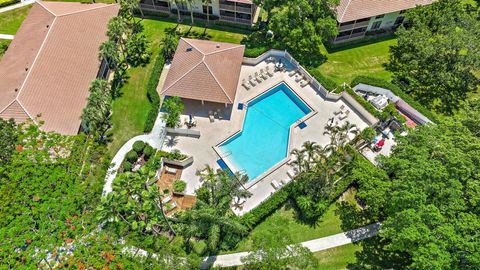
(212, 115)
(342, 113)
(257, 78)
(278, 184)
(299, 77)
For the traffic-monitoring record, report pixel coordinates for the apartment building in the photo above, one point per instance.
(234, 11)
(358, 17)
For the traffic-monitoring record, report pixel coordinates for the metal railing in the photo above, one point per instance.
(233, 19)
(237, 9)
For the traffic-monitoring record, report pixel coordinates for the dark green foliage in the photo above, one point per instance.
(267, 207)
(8, 138)
(152, 93)
(365, 104)
(137, 50)
(131, 156)
(148, 151)
(169, 45)
(138, 147)
(329, 84)
(179, 186)
(96, 115)
(8, 3)
(438, 54)
(173, 107)
(397, 91)
(127, 166)
(174, 155)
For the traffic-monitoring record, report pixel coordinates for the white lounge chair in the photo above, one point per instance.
(170, 170)
(305, 83)
(269, 71)
(251, 81)
(298, 78)
(292, 173)
(275, 184)
(344, 115)
(244, 84)
(292, 73)
(167, 199)
(257, 77)
(263, 75)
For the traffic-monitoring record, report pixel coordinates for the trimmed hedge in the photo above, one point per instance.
(397, 91)
(131, 156)
(365, 104)
(8, 3)
(138, 146)
(127, 166)
(148, 151)
(152, 93)
(329, 84)
(267, 207)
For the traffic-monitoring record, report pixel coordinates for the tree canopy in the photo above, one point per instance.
(438, 53)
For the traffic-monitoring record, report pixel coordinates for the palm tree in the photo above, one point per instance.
(191, 4)
(177, 4)
(299, 161)
(109, 52)
(207, 3)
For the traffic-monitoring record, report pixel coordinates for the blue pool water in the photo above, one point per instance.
(263, 141)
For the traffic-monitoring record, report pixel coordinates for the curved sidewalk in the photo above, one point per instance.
(154, 138)
(315, 245)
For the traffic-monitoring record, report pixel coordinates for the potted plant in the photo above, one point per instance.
(179, 186)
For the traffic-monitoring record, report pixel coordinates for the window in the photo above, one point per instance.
(380, 16)
(359, 30)
(210, 10)
(376, 25)
(161, 3)
(347, 23)
(399, 20)
(344, 33)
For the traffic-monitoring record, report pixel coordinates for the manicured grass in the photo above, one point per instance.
(11, 20)
(131, 109)
(299, 232)
(337, 258)
(3, 46)
(344, 65)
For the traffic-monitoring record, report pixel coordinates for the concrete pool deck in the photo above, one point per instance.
(212, 133)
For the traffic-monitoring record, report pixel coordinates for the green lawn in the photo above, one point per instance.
(11, 20)
(131, 109)
(344, 65)
(3, 46)
(337, 258)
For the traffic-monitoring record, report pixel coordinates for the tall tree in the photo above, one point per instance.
(437, 54)
(96, 114)
(8, 139)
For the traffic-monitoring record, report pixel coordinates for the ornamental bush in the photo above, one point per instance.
(179, 186)
(127, 166)
(138, 146)
(148, 151)
(131, 156)
(152, 93)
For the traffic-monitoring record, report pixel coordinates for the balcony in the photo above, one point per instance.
(235, 20)
(346, 27)
(362, 24)
(154, 8)
(237, 9)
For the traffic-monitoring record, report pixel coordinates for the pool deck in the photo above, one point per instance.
(212, 133)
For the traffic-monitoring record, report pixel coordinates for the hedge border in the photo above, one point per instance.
(152, 93)
(397, 91)
(8, 3)
(329, 84)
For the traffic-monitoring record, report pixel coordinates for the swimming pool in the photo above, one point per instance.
(263, 141)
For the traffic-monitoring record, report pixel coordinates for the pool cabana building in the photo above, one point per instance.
(204, 72)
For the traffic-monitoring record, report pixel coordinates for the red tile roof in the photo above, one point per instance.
(205, 70)
(350, 10)
(48, 67)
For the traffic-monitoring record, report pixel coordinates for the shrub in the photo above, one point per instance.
(329, 84)
(127, 166)
(131, 156)
(179, 186)
(148, 151)
(266, 208)
(200, 247)
(397, 91)
(173, 107)
(138, 146)
(152, 93)
(8, 2)
(365, 104)
(176, 155)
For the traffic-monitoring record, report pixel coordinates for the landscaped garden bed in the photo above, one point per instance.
(135, 158)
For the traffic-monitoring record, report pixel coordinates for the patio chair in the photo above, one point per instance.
(276, 185)
(244, 84)
(211, 116)
(305, 83)
(167, 199)
(269, 71)
(298, 78)
(257, 78)
(344, 116)
(251, 81)
(292, 173)
(293, 73)
(342, 107)
(338, 112)
(262, 74)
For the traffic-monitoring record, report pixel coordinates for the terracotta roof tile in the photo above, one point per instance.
(205, 70)
(350, 10)
(62, 62)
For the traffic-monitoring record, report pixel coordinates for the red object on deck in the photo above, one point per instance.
(381, 143)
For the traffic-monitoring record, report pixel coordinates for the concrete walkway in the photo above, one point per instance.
(19, 5)
(5, 36)
(154, 138)
(315, 245)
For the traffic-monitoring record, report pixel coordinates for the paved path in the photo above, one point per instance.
(314, 246)
(5, 36)
(154, 138)
(19, 5)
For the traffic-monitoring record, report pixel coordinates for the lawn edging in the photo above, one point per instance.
(397, 91)
(152, 93)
